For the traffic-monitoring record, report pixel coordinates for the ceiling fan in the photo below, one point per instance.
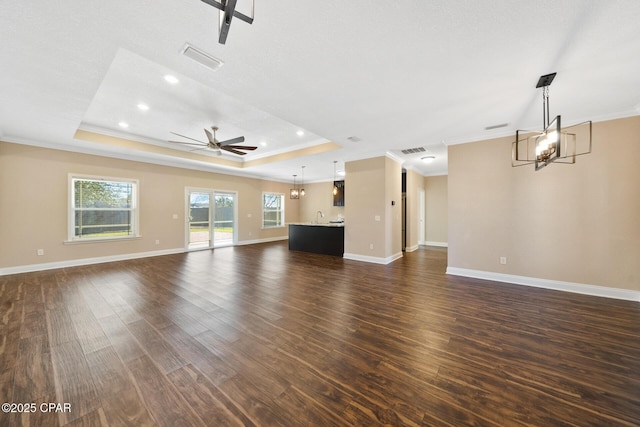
(214, 144)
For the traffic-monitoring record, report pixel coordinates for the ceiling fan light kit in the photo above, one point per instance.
(554, 143)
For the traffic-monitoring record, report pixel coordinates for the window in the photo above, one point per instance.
(102, 208)
(272, 210)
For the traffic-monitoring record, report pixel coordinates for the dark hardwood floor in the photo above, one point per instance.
(258, 335)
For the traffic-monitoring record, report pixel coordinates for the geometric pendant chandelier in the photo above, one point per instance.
(554, 143)
(294, 193)
(227, 12)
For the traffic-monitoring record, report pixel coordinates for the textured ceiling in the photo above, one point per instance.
(395, 75)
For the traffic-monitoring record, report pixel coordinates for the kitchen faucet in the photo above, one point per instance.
(319, 215)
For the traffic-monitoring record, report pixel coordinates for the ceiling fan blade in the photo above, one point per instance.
(210, 137)
(242, 147)
(200, 144)
(188, 137)
(231, 150)
(232, 141)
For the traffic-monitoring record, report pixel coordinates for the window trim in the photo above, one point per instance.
(282, 209)
(135, 209)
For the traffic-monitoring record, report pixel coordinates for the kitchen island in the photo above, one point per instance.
(325, 239)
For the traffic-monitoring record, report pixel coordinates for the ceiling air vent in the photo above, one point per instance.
(202, 57)
(414, 150)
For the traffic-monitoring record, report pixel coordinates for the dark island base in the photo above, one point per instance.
(318, 239)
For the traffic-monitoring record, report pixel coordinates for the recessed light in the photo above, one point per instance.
(143, 107)
(341, 173)
(428, 159)
(123, 125)
(171, 79)
(264, 144)
(300, 133)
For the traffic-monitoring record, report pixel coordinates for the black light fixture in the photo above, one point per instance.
(227, 12)
(553, 143)
(293, 192)
(302, 182)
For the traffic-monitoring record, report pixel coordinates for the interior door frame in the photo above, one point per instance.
(422, 220)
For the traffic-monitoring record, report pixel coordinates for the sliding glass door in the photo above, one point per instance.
(211, 220)
(224, 222)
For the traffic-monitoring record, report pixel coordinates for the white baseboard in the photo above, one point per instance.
(265, 240)
(439, 244)
(411, 248)
(99, 260)
(578, 288)
(372, 259)
(85, 261)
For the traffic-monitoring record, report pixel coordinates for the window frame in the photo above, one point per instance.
(282, 210)
(134, 209)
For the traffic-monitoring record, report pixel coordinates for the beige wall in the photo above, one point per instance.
(363, 202)
(370, 186)
(319, 197)
(436, 200)
(34, 195)
(573, 223)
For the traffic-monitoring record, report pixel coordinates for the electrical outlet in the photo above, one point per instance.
(174, 216)
(40, 252)
(503, 260)
(370, 245)
(157, 242)
(377, 217)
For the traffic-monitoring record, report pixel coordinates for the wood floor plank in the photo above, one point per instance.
(161, 398)
(36, 418)
(73, 381)
(259, 335)
(60, 327)
(124, 343)
(121, 402)
(34, 377)
(159, 350)
(90, 335)
(212, 406)
(215, 369)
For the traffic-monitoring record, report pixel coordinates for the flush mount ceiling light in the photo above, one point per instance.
(227, 11)
(293, 192)
(171, 79)
(554, 143)
(428, 159)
